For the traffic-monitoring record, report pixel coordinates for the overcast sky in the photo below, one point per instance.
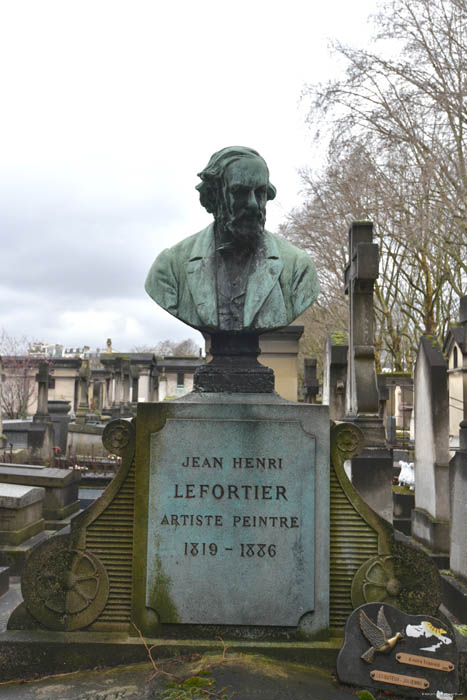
(108, 111)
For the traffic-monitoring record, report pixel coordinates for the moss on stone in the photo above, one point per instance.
(365, 695)
(419, 580)
(402, 490)
(339, 337)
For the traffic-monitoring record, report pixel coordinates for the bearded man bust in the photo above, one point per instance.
(234, 276)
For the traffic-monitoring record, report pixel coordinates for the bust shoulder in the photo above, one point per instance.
(197, 242)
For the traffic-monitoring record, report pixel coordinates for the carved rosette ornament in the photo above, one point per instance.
(375, 581)
(64, 588)
(348, 440)
(117, 436)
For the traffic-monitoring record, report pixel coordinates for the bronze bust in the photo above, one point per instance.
(234, 276)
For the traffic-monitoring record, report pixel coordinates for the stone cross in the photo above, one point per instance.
(371, 471)
(360, 276)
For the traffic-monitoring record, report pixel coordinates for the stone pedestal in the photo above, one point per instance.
(20, 513)
(234, 366)
(232, 489)
(58, 411)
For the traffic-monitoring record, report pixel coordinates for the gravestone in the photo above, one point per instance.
(455, 585)
(335, 374)
(430, 518)
(387, 650)
(372, 470)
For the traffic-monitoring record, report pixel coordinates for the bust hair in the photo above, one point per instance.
(213, 173)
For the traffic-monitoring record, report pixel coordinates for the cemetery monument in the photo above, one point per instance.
(237, 480)
(231, 515)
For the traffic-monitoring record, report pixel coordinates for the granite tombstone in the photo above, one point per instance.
(385, 649)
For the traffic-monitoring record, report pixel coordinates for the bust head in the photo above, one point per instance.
(234, 276)
(235, 188)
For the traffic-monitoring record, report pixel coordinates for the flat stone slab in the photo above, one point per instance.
(16, 496)
(244, 677)
(46, 476)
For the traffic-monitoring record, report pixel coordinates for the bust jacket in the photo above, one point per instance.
(282, 284)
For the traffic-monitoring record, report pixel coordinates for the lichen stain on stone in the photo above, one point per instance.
(254, 663)
(160, 596)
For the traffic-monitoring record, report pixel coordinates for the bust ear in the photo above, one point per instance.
(271, 191)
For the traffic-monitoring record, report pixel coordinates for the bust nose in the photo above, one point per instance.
(252, 202)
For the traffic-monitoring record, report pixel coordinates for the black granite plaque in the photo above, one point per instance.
(386, 649)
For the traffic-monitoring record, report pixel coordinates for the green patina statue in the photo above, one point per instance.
(234, 276)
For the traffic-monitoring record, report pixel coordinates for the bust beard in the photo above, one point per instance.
(241, 233)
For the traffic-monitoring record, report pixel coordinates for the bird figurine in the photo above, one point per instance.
(379, 635)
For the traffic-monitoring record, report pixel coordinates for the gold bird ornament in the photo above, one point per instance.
(379, 635)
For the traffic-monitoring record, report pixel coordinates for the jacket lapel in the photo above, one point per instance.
(261, 282)
(201, 276)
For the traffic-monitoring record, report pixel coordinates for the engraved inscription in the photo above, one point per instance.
(241, 492)
(232, 503)
(399, 679)
(426, 662)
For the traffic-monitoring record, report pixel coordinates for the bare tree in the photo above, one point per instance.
(171, 348)
(397, 156)
(18, 376)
